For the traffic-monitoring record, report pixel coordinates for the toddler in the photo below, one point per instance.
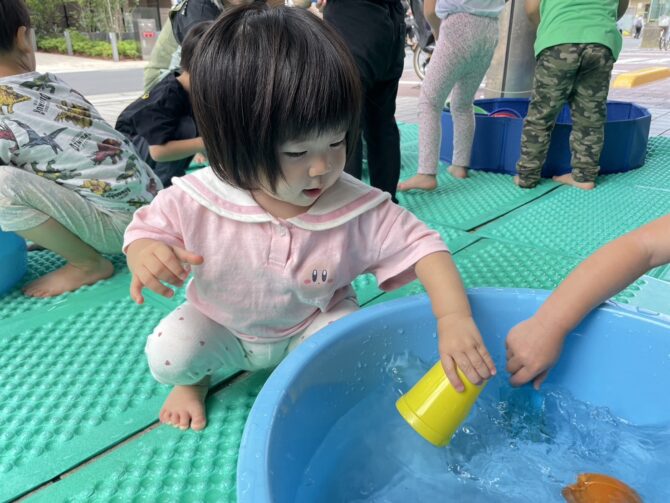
(466, 33)
(160, 124)
(68, 181)
(274, 231)
(534, 345)
(576, 46)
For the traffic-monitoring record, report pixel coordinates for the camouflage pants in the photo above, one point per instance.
(578, 74)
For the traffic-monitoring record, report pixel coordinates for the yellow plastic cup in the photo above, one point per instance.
(434, 408)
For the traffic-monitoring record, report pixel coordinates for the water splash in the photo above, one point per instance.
(518, 445)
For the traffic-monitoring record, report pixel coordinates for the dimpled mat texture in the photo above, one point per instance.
(168, 465)
(73, 374)
(494, 263)
(579, 222)
(75, 382)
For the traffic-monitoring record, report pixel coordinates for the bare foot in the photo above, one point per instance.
(458, 171)
(185, 406)
(35, 247)
(421, 182)
(68, 278)
(568, 180)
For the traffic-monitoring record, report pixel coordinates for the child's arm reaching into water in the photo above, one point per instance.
(460, 342)
(151, 261)
(534, 345)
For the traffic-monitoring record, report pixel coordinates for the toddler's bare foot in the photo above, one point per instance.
(421, 182)
(185, 406)
(568, 180)
(68, 278)
(458, 171)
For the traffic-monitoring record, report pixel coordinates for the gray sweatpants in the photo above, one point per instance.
(28, 200)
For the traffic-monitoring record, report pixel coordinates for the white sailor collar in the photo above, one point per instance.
(344, 201)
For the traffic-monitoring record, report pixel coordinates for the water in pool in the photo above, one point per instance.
(518, 445)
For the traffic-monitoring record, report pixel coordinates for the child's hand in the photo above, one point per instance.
(532, 349)
(152, 261)
(461, 345)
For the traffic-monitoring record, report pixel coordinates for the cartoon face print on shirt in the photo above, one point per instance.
(317, 281)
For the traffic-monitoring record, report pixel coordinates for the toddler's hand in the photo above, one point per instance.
(152, 261)
(461, 345)
(532, 349)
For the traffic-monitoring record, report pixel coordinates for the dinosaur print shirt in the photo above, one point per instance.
(50, 129)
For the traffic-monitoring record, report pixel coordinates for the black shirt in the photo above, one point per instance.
(157, 115)
(189, 12)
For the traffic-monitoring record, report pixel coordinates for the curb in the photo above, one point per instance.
(640, 77)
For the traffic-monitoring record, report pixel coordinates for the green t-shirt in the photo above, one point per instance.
(578, 22)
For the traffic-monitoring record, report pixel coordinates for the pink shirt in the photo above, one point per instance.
(266, 278)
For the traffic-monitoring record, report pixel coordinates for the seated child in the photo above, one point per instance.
(68, 181)
(534, 345)
(274, 231)
(160, 124)
(576, 46)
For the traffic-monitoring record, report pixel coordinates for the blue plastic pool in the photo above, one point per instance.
(497, 143)
(616, 359)
(13, 260)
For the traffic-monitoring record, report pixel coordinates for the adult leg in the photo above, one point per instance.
(382, 136)
(555, 73)
(60, 220)
(588, 107)
(374, 32)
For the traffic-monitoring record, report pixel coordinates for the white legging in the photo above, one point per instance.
(460, 60)
(186, 345)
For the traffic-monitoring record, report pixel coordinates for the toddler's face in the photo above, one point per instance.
(310, 166)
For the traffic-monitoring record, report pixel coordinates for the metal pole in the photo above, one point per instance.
(513, 65)
(68, 43)
(158, 14)
(33, 39)
(115, 49)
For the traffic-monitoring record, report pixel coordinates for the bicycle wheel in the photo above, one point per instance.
(420, 61)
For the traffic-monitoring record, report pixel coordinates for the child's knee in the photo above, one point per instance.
(9, 181)
(171, 361)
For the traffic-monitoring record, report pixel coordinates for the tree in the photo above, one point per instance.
(48, 16)
(51, 16)
(105, 15)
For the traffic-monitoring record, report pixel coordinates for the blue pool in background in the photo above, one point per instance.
(497, 143)
(616, 359)
(13, 260)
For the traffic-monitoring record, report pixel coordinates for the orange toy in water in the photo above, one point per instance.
(597, 488)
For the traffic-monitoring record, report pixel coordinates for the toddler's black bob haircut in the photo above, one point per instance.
(13, 15)
(262, 76)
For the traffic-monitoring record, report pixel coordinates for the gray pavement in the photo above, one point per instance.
(112, 86)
